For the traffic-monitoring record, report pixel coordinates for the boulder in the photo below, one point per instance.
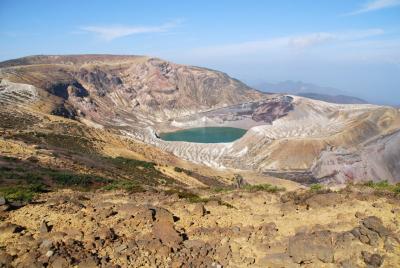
(2, 201)
(305, 248)
(366, 235)
(163, 215)
(375, 224)
(163, 227)
(166, 233)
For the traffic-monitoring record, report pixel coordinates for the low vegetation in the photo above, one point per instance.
(178, 169)
(194, 198)
(79, 180)
(138, 170)
(22, 193)
(128, 186)
(251, 188)
(76, 144)
(384, 186)
(316, 187)
(263, 187)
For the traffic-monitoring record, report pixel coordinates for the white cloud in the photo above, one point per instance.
(375, 5)
(290, 44)
(310, 39)
(113, 32)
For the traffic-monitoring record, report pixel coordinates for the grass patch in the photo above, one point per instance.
(222, 189)
(263, 187)
(194, 198)
(129, 186)
(77, 144)
(184, 194)
(22, 193)
(131, 164)
(384, 186)
(19, 175)
(138, 170)
(80, 180)
(316, 187)
(10, 158)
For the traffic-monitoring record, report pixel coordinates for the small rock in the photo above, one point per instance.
(359, 215)
(216, 265)
(268, 229)
(395, 210)
(372, 260)
(348, 264)
(390, 244)
(60, 262)
(88, 263)
(10, 228)
(5, 259)
(49, 253)
(276, 260)
(46, 244)
(193, 243)
(44, 227)
(2, 200)
(249, 260)
(107, 234)
(121, 248)
(199, 210)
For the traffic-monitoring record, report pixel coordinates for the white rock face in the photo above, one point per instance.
(303, 140)
(17, 93)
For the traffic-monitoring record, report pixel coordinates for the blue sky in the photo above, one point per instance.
(353, 45)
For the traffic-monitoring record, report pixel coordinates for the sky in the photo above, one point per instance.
(353, 45)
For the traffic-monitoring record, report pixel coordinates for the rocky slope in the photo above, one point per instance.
(352, 228)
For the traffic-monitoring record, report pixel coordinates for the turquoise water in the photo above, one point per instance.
(205, 134)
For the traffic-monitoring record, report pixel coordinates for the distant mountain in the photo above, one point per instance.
(297, 87)
(308, 90)
(342, 99)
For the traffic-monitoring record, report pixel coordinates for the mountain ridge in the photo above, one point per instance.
(312, 91)
(139, 97)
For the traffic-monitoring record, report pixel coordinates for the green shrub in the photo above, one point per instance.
(222, 189)
(263, 187)
(178, 169)
(129, 186)
(82, 180)
(131, 163)
(384, 186)
(194, 198)
(22, 193)
(184, 194)
(315, 187)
